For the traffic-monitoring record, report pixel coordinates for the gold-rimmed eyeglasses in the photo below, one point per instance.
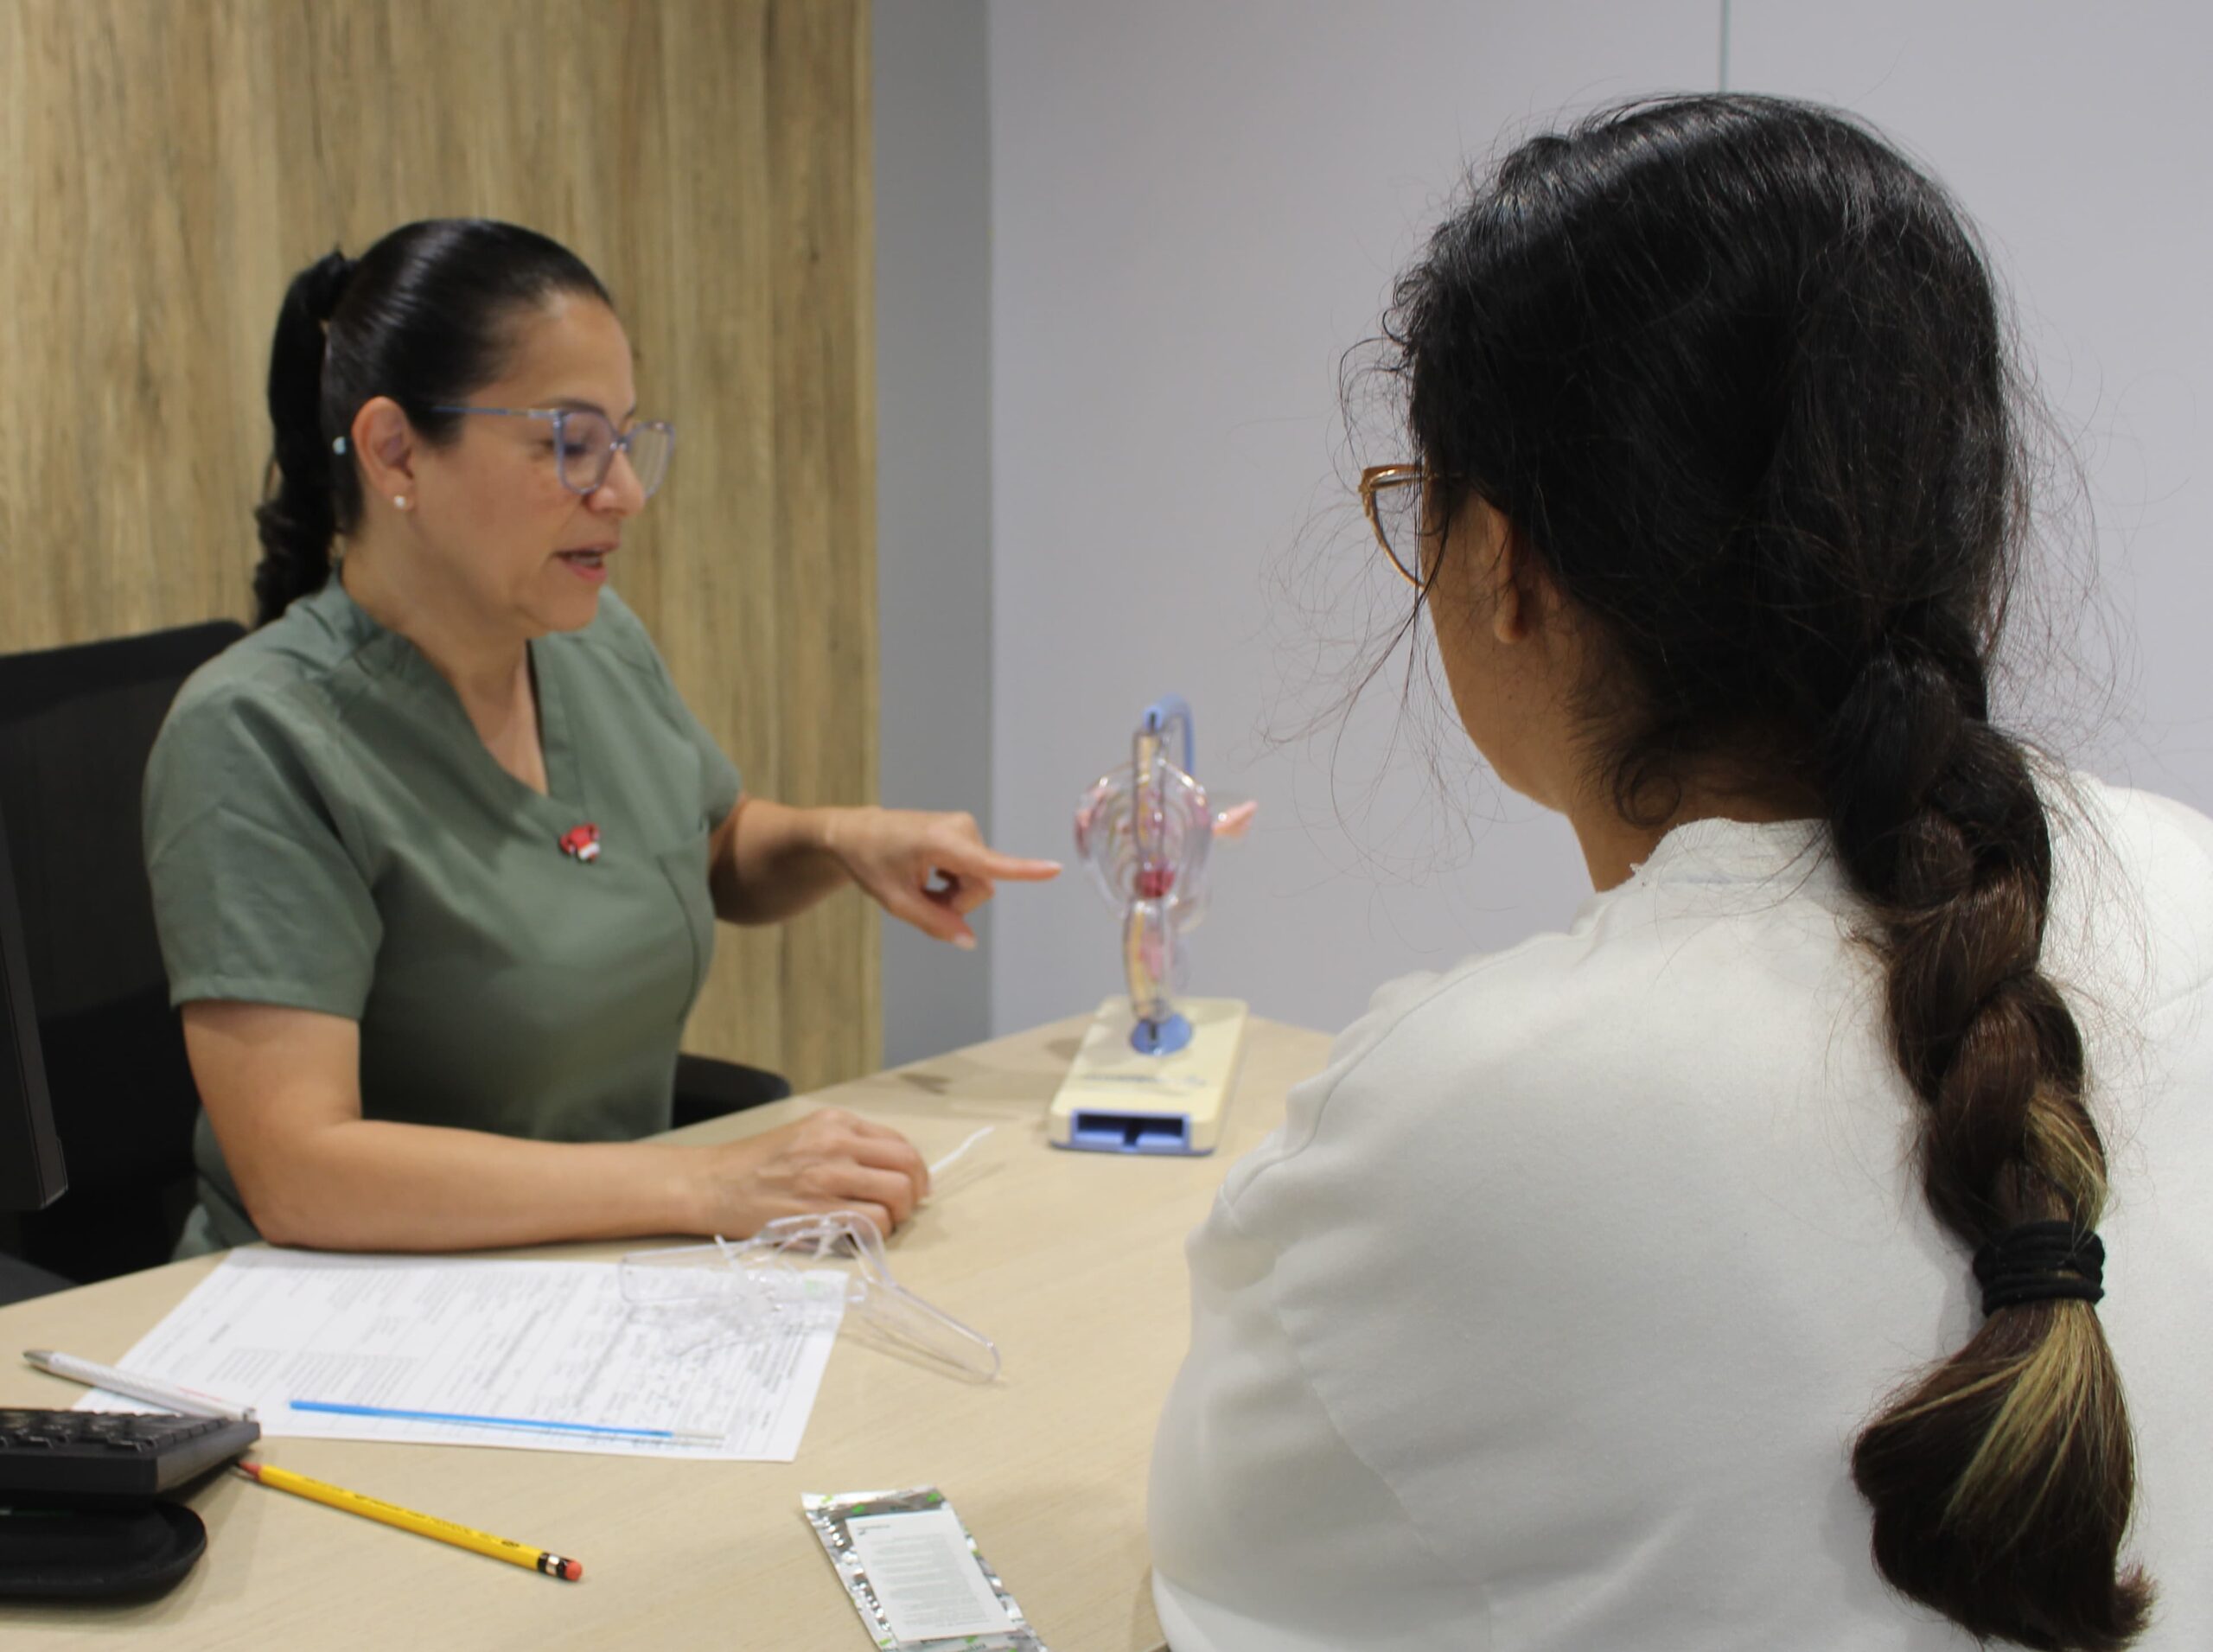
(1392, 497)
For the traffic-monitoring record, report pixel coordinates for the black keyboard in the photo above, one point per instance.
(92, 1456)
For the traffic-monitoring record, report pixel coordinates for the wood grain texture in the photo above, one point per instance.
(1073, 1263)
(172, 163)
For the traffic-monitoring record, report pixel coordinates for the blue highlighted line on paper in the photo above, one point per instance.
(472, 1420)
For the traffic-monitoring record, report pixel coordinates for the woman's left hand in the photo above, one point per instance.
(932, 870)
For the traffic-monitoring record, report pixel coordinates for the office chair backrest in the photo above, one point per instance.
(76, 725)
(32, 1175)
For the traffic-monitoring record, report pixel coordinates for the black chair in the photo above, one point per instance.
(707, 1089)
(76, 725)
(20, 1281)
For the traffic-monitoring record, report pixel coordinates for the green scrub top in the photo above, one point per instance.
(325, 830)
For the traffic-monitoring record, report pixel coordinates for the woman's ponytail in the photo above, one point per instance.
(298, 516)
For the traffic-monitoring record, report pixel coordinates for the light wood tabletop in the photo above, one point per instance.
(1072, 1262)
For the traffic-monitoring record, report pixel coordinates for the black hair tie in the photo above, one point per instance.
(2038, 1261)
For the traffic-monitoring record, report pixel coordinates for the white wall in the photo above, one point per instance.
(933, 475)
(1196, 208)
(2078, 137)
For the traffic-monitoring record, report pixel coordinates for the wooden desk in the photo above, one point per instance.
(1072, 1262)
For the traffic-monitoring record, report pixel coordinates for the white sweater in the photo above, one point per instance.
(1546, 1321)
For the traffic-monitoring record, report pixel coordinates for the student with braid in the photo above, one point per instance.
(1812, 1248)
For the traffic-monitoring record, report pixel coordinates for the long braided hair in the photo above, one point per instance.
(1735, 373)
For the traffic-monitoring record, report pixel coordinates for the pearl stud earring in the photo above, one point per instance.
(400, 499)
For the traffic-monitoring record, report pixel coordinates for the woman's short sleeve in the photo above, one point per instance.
(258, 895)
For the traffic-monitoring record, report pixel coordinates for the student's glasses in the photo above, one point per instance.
(1392, 494)
(585, 443)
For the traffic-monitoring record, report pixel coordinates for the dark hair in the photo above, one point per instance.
(422, 317)
(1735, 373)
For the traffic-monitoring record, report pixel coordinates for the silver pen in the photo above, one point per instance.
(189, 1402)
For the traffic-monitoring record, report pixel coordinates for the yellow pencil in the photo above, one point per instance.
(408, 1521)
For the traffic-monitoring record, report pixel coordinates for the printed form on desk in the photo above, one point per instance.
(552, 1341)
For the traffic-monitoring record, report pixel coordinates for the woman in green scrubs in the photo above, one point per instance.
(437, 852)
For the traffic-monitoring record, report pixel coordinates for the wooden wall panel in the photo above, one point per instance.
(170, 163)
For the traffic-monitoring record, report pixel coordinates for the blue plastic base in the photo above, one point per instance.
(1120, 1097)
(1160, 1037)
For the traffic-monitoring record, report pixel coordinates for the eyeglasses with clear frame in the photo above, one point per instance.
(585, 443)
(1392, 497)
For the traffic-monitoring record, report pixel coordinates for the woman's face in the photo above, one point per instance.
(491, 510)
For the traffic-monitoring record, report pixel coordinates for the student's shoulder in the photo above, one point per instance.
(2159, 837)
(1427, 1034)
(1430, 1042)
(1679, 1006)
(2132, 900)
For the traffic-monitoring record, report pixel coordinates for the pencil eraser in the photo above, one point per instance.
(572, 1570)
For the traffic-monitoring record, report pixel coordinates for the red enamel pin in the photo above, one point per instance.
(581, 843)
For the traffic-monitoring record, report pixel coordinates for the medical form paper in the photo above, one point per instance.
(549, 1340)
